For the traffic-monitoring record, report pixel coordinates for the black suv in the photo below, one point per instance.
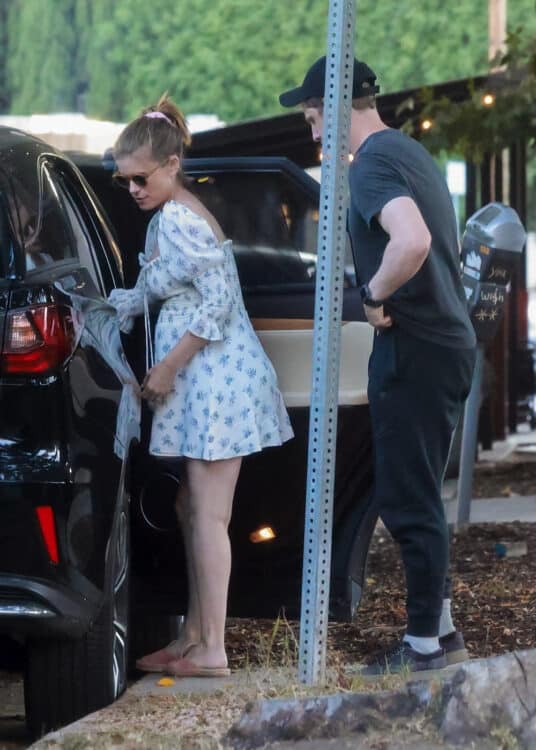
(91, 555)
(64, 508)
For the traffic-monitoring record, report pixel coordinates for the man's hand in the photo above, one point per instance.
(377, 318)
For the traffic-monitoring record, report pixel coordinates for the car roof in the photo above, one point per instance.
(18, 149)
(14, 143)
(89, 163)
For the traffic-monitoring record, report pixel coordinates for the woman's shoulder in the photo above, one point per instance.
(187, 240)
(181, 221)
(194, 220)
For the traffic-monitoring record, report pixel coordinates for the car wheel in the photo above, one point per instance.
(11, 654)
(65, 679)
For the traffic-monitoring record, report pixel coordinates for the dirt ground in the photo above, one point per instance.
(494, 597)
(494, 604)
(507, 478)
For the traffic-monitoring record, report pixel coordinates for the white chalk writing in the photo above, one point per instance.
(495, 297)
(498, 273)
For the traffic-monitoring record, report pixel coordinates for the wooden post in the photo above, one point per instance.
(497, 12)
(518, 299)
(499, 349)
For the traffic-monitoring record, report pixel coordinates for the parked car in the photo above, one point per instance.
(64, 456)
(86, 516)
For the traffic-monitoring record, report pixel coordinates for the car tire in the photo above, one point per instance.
(65, 679)
(11, 654)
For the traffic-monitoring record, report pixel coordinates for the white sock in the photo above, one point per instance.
(446, 625)
(421, 644)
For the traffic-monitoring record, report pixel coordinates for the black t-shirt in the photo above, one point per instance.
(432, 304)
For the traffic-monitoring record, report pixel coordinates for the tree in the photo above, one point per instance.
(108, 65)
(82, 19)
(234, 58)
(4, 85)
(497, 113)
(41, 50)
(229, 57)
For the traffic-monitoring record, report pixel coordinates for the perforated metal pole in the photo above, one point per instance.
(469, 442)
(326, 343)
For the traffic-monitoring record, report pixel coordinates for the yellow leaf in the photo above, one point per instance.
(165, 682)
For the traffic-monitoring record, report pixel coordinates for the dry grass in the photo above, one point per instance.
(198, 721)
(187, 721)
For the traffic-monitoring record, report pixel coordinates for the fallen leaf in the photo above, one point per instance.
(165, 682)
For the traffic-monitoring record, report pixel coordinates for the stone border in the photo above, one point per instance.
(493, 697)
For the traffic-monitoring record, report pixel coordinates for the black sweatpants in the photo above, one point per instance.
(416, 392)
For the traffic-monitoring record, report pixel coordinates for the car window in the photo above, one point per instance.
(48, 224)
(45, 231)
(7, 249)
(273, 225)
(77, 229)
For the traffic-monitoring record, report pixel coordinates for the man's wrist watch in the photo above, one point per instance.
(367, 297)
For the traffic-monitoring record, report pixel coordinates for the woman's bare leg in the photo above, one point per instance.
(211, 491)
(190, 632)
(191, 629)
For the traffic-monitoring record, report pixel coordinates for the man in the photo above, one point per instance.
(404, 235)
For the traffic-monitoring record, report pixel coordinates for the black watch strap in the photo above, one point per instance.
(367, 297)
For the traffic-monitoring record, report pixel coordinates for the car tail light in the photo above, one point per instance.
(45, 516)
(37, 339)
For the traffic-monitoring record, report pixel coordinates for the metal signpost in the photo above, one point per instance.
(326, 342)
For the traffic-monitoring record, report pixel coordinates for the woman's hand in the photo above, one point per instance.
(158, 382)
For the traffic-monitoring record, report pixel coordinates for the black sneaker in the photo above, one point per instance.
(454, 647)
(402, 658)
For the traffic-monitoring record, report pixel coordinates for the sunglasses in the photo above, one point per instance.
(141, 180)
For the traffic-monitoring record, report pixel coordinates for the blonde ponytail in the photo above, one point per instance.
(162, 127)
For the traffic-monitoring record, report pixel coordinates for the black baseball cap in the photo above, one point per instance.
(313, 84)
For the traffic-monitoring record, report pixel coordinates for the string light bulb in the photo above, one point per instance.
(488, 100)
(426, 124)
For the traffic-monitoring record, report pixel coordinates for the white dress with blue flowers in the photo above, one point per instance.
(226, 401)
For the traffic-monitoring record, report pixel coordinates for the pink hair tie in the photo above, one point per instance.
(160, 115)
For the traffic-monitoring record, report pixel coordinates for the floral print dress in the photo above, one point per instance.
(225, 402)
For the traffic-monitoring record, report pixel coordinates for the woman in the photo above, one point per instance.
(213, 390)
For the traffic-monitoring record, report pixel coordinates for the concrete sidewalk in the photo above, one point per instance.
(497, 509)
(518, 447)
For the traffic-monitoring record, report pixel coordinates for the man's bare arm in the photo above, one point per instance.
(407, 249)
